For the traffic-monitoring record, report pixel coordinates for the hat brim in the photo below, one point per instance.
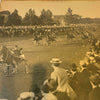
(55, 62)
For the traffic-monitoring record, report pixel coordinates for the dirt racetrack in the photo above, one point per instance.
(38, 58)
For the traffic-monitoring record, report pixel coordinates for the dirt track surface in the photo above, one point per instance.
(38, 58)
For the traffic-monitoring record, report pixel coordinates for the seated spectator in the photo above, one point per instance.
(95, 81)
(48, 89)
(34, 88)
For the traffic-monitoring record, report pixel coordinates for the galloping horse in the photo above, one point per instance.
(70, 36)
(12, 60)
(37, 39)
(50, 39)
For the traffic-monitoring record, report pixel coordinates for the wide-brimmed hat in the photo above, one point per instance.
(25, 95)
(55, 60)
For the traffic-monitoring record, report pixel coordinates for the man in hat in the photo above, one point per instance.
(21, 55)
(60, 76)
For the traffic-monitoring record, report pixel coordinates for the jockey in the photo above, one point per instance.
(15, 50)
(21, 55)
(18, 52)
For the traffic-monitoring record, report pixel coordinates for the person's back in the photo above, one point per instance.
(95, 94)
(60, 75)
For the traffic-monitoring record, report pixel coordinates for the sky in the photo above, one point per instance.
(83, 8)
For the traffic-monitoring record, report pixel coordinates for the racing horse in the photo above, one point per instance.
(37, 39)
(12, 60)
(70, 36)
(51, 39)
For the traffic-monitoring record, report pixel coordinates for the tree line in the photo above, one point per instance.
(71, 18)
(30, 18)
(45, 18)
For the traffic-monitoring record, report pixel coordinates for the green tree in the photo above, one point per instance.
(14, 18)
(69, 16)
(46, 17)
(1, 20)
(26, 19)
(76, 18)
(69, 12)
(43, 17)
(30, 18)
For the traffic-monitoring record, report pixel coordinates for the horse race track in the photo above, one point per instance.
(38, 58)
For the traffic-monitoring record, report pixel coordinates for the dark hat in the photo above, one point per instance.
(50, 85)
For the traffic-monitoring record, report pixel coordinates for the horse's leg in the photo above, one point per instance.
(38, 43)
(52, 43)
(4, 68)
(15, 68)
(26, 67)
(8, 69)
(48, 43)
(35, 42)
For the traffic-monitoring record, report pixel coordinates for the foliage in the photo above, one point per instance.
(14, 18)
(1, 20)
(46, 17)
(30, 18)
(71, 18)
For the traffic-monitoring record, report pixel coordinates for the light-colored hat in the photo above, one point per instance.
(55, 60)
(83, 62)
(25, 95)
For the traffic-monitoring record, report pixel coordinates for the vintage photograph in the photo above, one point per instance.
(49, 50)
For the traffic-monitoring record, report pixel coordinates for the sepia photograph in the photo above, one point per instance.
(49, 50)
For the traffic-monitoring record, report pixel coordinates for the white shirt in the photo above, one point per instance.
(60, 75)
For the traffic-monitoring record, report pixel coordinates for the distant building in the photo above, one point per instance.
(76, 16)
(4, 17)
(59, 19)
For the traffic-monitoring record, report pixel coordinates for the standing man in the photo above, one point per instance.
(60, 76)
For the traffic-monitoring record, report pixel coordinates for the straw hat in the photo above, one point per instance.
(26, 95)
(55, 60)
